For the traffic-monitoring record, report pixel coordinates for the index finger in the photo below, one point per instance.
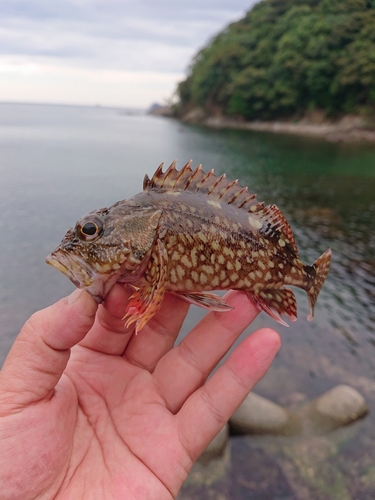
(109, 334)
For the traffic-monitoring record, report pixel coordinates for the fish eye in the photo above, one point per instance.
(89, 230)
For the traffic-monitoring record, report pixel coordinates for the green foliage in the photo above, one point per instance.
(285, 57)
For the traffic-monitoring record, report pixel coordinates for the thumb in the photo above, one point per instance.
(41, 351)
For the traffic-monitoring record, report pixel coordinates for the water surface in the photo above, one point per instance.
(59, 162)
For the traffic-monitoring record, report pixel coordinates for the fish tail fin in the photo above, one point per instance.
(321, 267)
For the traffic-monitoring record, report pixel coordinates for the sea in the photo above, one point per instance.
(59, 162)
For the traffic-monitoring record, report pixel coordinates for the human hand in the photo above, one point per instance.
(89, 410)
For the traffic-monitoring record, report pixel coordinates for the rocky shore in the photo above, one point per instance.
(290, 453)
(350, 128)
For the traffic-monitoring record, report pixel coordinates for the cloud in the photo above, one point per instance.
(73, 85)
(108, 37)
(87, 29)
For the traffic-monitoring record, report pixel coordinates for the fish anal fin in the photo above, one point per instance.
(275, 302)
(206, 300)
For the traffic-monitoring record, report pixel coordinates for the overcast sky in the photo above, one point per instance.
(109, 52)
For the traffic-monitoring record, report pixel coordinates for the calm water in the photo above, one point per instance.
(57, 163)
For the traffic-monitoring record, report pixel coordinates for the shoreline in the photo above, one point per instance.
(350, 128)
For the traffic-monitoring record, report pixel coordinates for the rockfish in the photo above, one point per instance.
(189, 232)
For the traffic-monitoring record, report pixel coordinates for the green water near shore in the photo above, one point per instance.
(57, 163)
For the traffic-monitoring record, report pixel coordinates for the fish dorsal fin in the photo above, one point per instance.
(223, 190)
(275, 222)
(209, 184)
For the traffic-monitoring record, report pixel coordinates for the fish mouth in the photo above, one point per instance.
(79, 273)
(73, 268)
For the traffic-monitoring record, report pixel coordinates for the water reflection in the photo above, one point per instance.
(326, 208)
(52, 173)
(58, 163)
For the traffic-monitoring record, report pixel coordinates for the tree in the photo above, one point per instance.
(286, 57)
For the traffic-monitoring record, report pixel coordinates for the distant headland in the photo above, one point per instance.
(288, 66)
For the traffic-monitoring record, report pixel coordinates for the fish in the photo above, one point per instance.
(190, 232)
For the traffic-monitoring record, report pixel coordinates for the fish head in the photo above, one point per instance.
(104, 247)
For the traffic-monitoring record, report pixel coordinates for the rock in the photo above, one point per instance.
(213, 463)
(217, 446)
(349, 129)
(196, 115)
(160, 110)
(258, 415)
(339, 406)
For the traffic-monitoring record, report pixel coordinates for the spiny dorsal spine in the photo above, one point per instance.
(218, 188)
(209, 184)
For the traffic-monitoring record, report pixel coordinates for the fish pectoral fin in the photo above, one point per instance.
(146, 301)
(276, 302)
(206, 300)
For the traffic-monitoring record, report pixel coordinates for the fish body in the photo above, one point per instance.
(189, 232)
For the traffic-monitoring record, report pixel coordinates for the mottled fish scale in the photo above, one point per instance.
(190, 232)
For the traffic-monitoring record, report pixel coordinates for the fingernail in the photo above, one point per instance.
(74, 296)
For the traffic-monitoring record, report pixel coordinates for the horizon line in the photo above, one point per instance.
(83, 105)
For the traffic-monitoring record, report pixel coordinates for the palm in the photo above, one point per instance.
(131, 413)
(125, 432)
(114, 431)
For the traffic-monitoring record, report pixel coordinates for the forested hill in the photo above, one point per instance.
(286, 58)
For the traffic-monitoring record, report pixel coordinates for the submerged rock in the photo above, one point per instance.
(339, 406)
(217, 446)
(214, 461)
(258, 415)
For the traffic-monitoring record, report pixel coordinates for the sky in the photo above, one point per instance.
(129, 53)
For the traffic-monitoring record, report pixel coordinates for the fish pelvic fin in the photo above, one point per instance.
(321, 267)
(275, 302)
